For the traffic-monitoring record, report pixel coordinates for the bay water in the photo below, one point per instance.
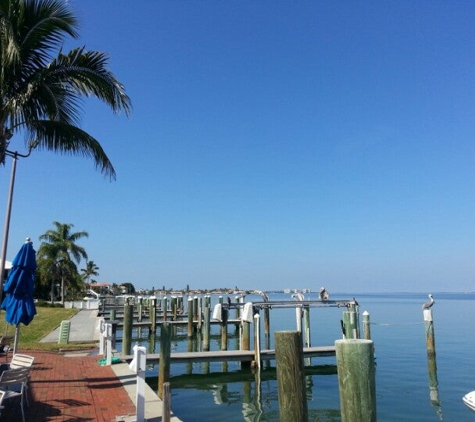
(224, 391)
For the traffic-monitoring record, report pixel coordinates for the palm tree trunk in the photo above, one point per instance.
(52, 291)
(62, 290)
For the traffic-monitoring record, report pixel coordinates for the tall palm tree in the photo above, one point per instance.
(41, 87)
(59, 252)
(90, 270)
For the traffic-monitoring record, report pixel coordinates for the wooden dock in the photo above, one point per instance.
(232, 355)
(183, 323)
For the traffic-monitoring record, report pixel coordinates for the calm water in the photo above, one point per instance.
(217, 392)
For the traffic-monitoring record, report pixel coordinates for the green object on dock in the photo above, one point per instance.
(114, 360)
(64, 330)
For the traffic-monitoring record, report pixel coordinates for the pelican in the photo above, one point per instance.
(324, 295)
(428, 304)
(298, 296)
(264, 296)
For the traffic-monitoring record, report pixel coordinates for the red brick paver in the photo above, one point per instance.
(71, 389)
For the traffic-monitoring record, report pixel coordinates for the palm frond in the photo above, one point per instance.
(67, 139)
(42, 90)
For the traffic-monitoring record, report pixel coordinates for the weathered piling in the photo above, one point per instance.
(246, 335)
(220, 301)
(431, 356)
(350, 322)
(356, 379)
(430, 338)
(224, 329)
(174, 306)
(165, 352)
(298, 318)
(165, 308)
(166, 403)
(139, 308)
(206, 328)
(153, 314)
(306, 324)
(199, 313)
(366, 326)
(267, 327)
(257, 341)
(238, 312)
(127, 329)
(190, 318)
(290, 376)
(195, 308)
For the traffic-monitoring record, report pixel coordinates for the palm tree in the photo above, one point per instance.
(59, 251)
(90, 270)
(41, 87)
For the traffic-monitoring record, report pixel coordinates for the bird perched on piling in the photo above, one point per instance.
(428, 304)
(324, 295)
(298, 296)
(263, 295)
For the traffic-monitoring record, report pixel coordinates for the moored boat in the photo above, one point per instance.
(469, 400)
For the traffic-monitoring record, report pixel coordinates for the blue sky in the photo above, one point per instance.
(272, 145)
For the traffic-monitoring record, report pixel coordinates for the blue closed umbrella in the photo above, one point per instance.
(19, 288)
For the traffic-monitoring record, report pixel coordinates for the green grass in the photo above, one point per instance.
(45, 321)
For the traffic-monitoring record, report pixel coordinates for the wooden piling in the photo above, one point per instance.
(356, 379)
(224, 329)
(139, 308)
(174, 306)
(298, 318)
(195, 308)
(153, 315)
(306, 324)
(127, 329)
(165, 308)
(221, 301)
(350, 322)
(430, 338)
(366, 325)
(290, 376)
(246, 335)
(190, 318)
(199, 312)
(165, 352)
(206, 328)
(267, 327)
(238, 313)
(431, 356)
(166, 404)
(151, 343)
(257, 341)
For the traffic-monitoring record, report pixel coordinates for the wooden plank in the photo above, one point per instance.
(232, 355)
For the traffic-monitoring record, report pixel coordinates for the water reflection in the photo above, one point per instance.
(254, 391)
(434, 385)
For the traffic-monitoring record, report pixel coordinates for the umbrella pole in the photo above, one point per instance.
(17, 334)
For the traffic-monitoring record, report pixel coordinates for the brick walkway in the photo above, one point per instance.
(71, 389)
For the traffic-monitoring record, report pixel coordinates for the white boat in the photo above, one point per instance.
(469, 400)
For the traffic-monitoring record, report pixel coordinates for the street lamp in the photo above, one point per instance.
(15, 156)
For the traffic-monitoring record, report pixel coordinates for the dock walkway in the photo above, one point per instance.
(232, 355)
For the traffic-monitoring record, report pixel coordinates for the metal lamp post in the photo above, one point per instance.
(15, 156)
